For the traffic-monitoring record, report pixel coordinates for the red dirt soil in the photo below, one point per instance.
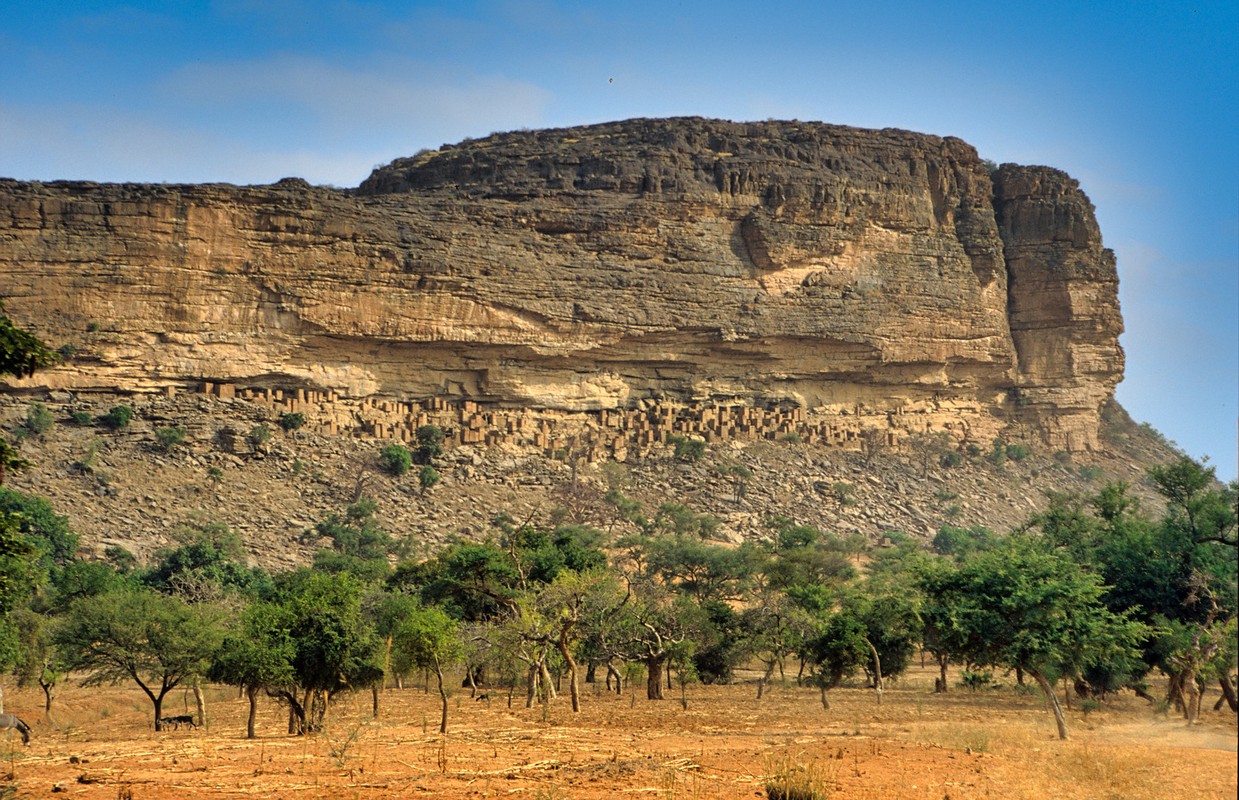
(997, 743)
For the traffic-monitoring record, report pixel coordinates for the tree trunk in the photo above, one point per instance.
(1191, 696)
(470, 682)
(1053, 700)
(252, 693)
(200, 701)
(761, 682)
(1228, 692)
(49, 693)
(375, 689)
(825, 700)
(942, 684)
(877, 670)
(157, 701)
(442, 697)
(619, 679)
(531, 684)
(654, 677)
(565, 652)
(548, 685)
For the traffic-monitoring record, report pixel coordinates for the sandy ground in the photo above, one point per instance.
(991, 744)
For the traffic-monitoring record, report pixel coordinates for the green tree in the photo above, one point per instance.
(156, 641)
(258, 656)
(1024, 606)
(428, 639)
(429, 443)
(169, 437)
(118, 417)
(395, 459)
(10, 460)
(21, 352)
(334, 643)
(38, 662)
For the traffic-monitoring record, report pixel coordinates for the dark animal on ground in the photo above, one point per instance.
(178, 721)
(14, 723)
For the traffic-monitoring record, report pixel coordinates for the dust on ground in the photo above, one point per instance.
(996, 743)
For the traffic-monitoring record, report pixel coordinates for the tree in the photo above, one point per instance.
(1024, 606)
(258, 656)
(429, 443)
(774, 628)
(38, 663)
(427, 477)
(21, 352)
(334, 644)
(155, 640)
(428, 639)
(395, 459)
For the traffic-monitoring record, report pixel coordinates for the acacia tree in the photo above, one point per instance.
(257, 657)
(157, 641)
(1024, 606)
(429, 639)
(334, 644)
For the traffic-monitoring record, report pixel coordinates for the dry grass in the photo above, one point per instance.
(727, 745)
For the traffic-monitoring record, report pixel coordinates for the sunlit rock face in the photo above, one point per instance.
(588, 268)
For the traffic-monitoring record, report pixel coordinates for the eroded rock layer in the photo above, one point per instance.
(828, 268)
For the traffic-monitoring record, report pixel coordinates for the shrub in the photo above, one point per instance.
(1018, 452)
(976, 680)
(117, 417)
(687, 449)
(82, 418)
(949, 460)
(429, 443)
(292, 421)
(396, 459)
(843, 493)
(427, 477)
(169, 437)
(998, 453)
(1090, 473)
(38, 419)
(260, 434)
(215, 474)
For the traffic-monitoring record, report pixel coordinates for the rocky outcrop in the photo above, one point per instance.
(850, 273)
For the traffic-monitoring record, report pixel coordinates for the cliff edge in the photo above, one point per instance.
(853, 279)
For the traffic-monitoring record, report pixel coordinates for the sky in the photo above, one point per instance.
(1137, 100)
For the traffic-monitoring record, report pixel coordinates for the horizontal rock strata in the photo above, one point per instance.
(689, 262)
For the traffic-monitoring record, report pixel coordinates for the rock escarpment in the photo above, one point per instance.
(870, 278)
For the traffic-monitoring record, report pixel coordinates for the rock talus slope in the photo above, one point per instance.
(840, 270)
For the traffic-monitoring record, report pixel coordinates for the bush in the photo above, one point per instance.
(38, 419)
(950, 460)
(170, 437)
(396, 459)
(687, 449)
(1018, 452)
(117, 417)
(260, 434)
(82, 418)
(429, 443)
(427, 477)
(292, 421)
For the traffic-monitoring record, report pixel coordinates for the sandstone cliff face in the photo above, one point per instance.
(875, 274)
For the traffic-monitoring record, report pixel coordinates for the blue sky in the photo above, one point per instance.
(1137, 100)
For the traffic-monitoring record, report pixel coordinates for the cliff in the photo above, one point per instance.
(851, 278)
